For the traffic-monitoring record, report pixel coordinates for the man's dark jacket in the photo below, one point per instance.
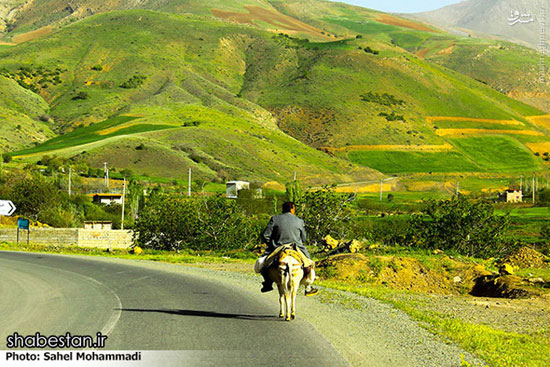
(285, 229)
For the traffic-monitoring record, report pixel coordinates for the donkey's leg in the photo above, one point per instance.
(309, 279)
(281, 297)
(288, 296)
(293, 291)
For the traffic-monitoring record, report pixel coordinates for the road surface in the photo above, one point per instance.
(143, 308)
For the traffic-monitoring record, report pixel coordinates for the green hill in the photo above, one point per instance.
(195, 83)
(23, 116)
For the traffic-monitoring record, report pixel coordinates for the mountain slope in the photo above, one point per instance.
(194, 84)
(23, 116)
(494, 17)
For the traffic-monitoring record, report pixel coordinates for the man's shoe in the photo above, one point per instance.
(311, 292)
(266, 287)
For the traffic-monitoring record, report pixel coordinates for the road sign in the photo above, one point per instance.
(23, 224)
(6, 207)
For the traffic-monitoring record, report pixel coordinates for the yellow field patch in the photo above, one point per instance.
(424, 186)
(407, 148)
(432, 119)
(364, 188)
(539, 147)
(274, 185)
(543, 120)
(114, 129)
(24, 37)
(462, 132)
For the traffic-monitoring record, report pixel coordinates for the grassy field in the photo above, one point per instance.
(499, 153)
(94, 133)
(406, 162)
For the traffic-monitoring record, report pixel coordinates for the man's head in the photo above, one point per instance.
(289, 207)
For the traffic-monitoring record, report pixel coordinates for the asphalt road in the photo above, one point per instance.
(140, 308)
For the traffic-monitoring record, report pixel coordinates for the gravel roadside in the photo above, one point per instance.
(366, 332)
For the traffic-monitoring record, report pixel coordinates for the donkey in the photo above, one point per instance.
(286, 271)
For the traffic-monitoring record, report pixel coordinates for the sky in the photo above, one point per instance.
(401, 6)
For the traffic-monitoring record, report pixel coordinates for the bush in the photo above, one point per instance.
(384, 99)
(6, 158)
(33, 196)
(134, 82)
(469, 227)
(392, 116)
(81, 95)
(325, 212)
(173, 223)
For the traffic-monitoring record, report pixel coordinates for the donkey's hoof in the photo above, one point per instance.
(287, 319)
(292, 317)
(281, 315)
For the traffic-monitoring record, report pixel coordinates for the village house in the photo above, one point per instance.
(511, 196)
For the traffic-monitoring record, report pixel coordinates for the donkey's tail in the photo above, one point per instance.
(286, 277)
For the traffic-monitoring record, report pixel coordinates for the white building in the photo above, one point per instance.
(106, 198)
(511, 196)
(232, 188)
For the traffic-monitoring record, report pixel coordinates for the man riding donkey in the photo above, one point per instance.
(285, 230)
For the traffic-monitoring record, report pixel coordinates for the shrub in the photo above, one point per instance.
(135, 81)
(383, 99)
(392, 116)
(325, 212)
(6, 158)
(469, 227)
(97, 67)
(81, 95)
(173, 223)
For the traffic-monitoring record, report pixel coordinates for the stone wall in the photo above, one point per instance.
(70, 237)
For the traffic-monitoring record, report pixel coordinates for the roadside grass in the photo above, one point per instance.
(498, 348)
(183, 257)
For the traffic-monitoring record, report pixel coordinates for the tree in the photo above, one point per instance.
(34, 195)
(223, 225)
(294, 192)
(166, 223)
(466, 226)
(6, 158)
(173, 223)
(325, 212)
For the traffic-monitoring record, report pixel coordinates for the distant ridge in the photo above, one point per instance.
(519, 21)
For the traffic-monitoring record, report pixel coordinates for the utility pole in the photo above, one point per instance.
(123, 200)
(189, 188)
(70, 173)
(106, 171)
(457, 188)
(294, 175)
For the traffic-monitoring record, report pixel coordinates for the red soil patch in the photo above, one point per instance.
(423, 52)
(272, 17)
(447, 51)
(400, 22)
(24, 37)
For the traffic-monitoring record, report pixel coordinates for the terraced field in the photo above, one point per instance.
(96, 132)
